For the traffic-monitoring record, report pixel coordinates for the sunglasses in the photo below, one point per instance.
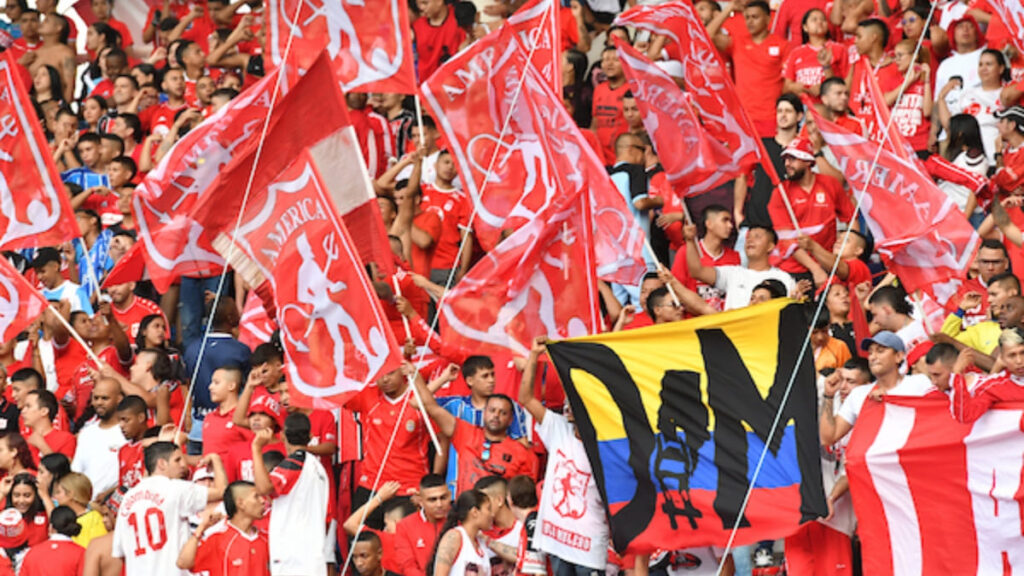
(486, 454)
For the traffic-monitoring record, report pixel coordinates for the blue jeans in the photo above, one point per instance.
(560, 567)
(741, 560)
(192, 306)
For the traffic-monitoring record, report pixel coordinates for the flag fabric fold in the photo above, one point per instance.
(20, 302)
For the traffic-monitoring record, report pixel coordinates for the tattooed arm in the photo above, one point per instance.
(447, 552)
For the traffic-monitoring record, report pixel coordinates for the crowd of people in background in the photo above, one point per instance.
(180, 451)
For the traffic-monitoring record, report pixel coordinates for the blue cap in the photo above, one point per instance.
(884, 338)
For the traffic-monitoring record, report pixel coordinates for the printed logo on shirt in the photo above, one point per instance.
(570, 488)
(420, 543)
(773, 50)
(410, 425)
(819, 197)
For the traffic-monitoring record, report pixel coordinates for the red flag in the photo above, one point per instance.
(917, 229)
(1012, 14)
(369, 43)
(34, 209)
(538, 281)
(707, 80)
(130, 268)
(336, 337)
(536, 25)
(872, 108)
(689, 157)
(255, 326)
(20, 302)
(519, 159)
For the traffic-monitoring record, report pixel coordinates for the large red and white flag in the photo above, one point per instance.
(920, 234)
(686, 153)
(335, 335)
(707, 80)
(369, 43)
(537, 30)
(1012, 14)
(255, 326)
(933, 496)
(20, 302)
(520, 154)
(539, 281)
(34, 209)
(871, 107)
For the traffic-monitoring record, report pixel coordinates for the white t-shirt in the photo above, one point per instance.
(913, 385)
(913, 334)
(96, 454)
(571, 521)
(738, 283)
(152, 525)
(298, 519)
(833, 467)
(472, 558)
(982, 104)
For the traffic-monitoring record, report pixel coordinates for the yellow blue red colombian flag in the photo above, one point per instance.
(674, 418)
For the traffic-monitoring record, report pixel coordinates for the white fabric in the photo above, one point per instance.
(913, 385)
(96, 454)
(159, 507)
(833, 467)
(298, 524)
(471, 558)
(571, 521)
(738, 283)
(982, 104)
(913, 334)
(958, 192)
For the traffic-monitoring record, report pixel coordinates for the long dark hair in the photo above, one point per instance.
(143, 324)
(804, 37)
(37, 506)
(16, 441)
(56, 85)
(58, 465)
(460, 510)
(964, 133)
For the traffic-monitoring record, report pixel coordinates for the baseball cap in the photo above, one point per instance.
(884, 338)
(267, 404)
(202, 473)
(12, 529)
(919, 351)
(1014, 114)
(44, 256)
(800, 148)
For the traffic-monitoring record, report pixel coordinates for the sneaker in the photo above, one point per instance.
(763, 557)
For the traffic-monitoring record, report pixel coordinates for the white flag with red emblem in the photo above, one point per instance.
(919, 232)
(34, 209)
(707, 80)
(335, 335)
(686, 152)
(20, 302)
(369, 43)
(520, 154)
(538, 281)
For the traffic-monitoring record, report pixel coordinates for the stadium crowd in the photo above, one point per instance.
(97, 479)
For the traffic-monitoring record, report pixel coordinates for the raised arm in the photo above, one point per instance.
(706, 274)
(526, 397)
(444, 420)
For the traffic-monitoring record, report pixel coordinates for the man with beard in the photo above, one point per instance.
(101, 437)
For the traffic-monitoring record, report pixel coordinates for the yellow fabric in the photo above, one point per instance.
(92, 527)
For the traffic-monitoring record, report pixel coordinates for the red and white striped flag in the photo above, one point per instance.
(933, 496)
(20, 302)
(1012, 14)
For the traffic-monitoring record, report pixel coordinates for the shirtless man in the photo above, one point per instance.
(54, 51)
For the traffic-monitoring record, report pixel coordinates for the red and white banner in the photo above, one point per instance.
(34, 209)
(336, 337)
(918, 230)
(255, 326)
(707, 80)
(539, 281)
(520, 154)
(20, 302)
(685, 151)
(537, 28)
(871, 107)
(369, 43)
(1012, 14)
(933, 496)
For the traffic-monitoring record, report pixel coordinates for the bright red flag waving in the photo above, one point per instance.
(1012, 14)
(707, 80)
(34, 209)
(918, 230)
(689, 157)
(536, 25)
(538, 281)
(336, 337)
(536, 163)
(369, 43)
(20, 302)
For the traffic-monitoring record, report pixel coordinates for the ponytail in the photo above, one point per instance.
(464, 504)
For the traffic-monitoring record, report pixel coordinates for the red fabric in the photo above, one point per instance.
(817, 550)
(323, 429)
(507, 458)
(680, 269)
(228, 552)
(22, 303)
(38, 528)
(220, 434)
(866, 101)
(908, 116)
(130, 317)
(436, 44)
(816, 210)
(693, 161)
(758, 71)
(802, 64)
(131, 464)
(78, 388)
(32, 173)
(122, 28)
(788, 18)
(58, 441)
(371, 130)
(53, 557)
(553, 29)
(380, 415)
(609, 122)
(1011, 176)
(659, 187)
(414, 543)
(200, 29)
(453, 208)
(238, 460)
(969, 405)
(430, 222)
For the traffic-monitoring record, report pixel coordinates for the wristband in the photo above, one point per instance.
(960, 313)
(827, 397)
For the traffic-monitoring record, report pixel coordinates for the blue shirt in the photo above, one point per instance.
(73, 293)
(221, 350)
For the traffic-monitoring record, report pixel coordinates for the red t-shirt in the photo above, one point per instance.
(59, 441)
(130, 464)
(56, 556)
(908, 115)
(220, 434)
(758, 71)
(479, 457)
(79, 387)
(661, 188)
(453, 208)
(609, 122)
(323, 429)
(816, 210)
(227, 551)
(137, 309)
(436, 44)
(802, 65)
(198, 31)
(38, 528)
(422, 258)
(158, 118)
(238, 461)
(414, 543)
(889, 78)
(789, 17)
(126, 35)
(379, 414)
(714, 297)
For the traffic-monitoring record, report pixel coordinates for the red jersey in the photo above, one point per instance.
(453, 208)
(198, 31)
(126, 35)
(388, 557)
(372, 132)
(422, 258)
(220, 433)
(130, 464)
(379, 415)
(1011, 176)
(323, 429)
(227, 551)
(889, 78)
(609, 122)
(802, 65)
(137, 309)
(59, 441)
(78, 388)
(816, 210)
(788, 21)
(908, 115)
(58, 555)
(158, 119)
(436, 44)
(713, 296)
(38, 528)
(238, 460)
(414, 543)
(102, 203)
(661, 188)
(758, 71)
(640, 320)
(480, 457)
(990, 389)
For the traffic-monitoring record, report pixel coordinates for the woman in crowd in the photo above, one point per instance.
(816, 59)
(52, 468)
(46, 85)
(19, 492)
(15, 456)
(965, 150)
(75, 492)
(982, 101)
(575, 88)
(459, 551)
(93, 108)
(912, 112)
(59, 554)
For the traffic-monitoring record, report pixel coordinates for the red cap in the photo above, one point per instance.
(267, 404)
(12, 529)
(800, 148)
(918, 352)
